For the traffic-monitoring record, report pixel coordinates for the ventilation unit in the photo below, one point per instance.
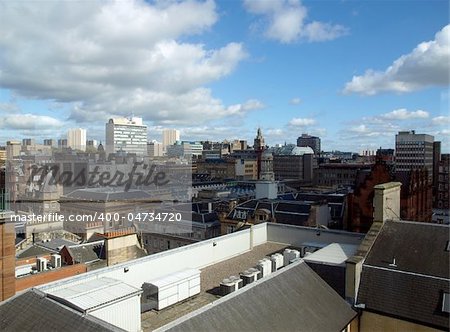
(265, 267)
(170, 289)
(277, 261)
(56, 261)
(289, 255)
(230, 285)
(41, 264)
(249, 276)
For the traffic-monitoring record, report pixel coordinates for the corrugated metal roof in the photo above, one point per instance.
(94, 293)
(333, 254)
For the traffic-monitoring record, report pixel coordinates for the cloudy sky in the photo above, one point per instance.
(352, 72)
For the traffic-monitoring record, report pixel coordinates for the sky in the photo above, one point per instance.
(351, 72)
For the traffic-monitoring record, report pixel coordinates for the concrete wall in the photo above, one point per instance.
(297, 235)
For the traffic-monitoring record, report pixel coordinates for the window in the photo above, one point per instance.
(446, 303)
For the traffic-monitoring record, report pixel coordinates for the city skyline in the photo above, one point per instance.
(354, 74)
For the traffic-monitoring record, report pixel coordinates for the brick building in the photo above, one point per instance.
(415, 202)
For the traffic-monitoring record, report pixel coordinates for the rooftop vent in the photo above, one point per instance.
(265, 267)
(56, 261)
(289, 255)
(277, 261)
(230, 285)
(41, 264)
(249, 276)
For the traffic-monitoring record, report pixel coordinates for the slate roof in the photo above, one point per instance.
(83, 253)
(34, 251)
(39, 313)
(55, 244)
(294, 297)
(412, 286)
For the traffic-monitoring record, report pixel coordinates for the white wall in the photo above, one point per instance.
(197, 255)
(259, 234)
(125, 314)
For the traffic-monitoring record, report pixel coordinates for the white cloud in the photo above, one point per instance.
(302, 122)
(285, 21)
(8, 107)
(29, 121)
(441, 120)
(359, 129)
(295, 101)
(117, 58)
(427, 65)
(404, 114)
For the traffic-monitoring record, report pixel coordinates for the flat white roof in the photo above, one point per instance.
(332, 254)
(93, 293)
(174, 277)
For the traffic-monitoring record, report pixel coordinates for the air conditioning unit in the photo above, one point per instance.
(265, 267)
(289, 255)
(249, 276)
(41, 264)
(277, 261)
(230, 285)
(56, 261)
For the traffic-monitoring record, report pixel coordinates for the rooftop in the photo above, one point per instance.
(217, 258)
(333, 254)
(210, 279)
(93, 294)
(39, 313)
(405, 256)
(260, 300)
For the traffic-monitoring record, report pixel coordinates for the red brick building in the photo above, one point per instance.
(416, 196)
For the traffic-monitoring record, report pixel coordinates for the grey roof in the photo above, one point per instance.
(106, 194)
(84, 253)
(33, 311)
(35, 250)
(291, 298)
(55, 244)
(412, 287)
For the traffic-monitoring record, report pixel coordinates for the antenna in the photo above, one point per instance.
(393, 264)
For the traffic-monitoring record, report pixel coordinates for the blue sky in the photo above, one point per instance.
(352, 72)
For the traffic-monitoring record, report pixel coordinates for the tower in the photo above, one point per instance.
(259, 146)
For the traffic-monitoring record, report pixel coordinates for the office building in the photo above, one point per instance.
(414, 151)
(13, 149)
(155, 149)
(291, 162)
(169, 137)
(309, 141)
(62, 143)
(50, 142)
(185, 149)
(126, 135)
(76, 139)
(28, 141)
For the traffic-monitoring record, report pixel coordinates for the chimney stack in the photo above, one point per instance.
(386, 202)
